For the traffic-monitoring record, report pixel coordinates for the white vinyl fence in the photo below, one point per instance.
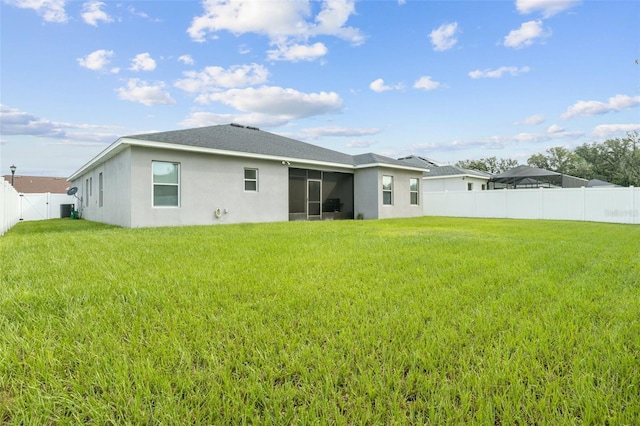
(9, 206)
(17, 206)
(617, 205)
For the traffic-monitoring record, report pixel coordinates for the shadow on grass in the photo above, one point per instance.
(55, 226)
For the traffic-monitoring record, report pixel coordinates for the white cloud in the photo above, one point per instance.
(202, 118)
(186, 59)
(426, 83)
(145, 93)
(312, 133)
(533, 120)
(615, 103)
(607, 130)
(379, 86)
(554, 128)
(50, 10)
(297, 52)
(526, 35)
(547, 7)
(92, 13)
(96, 61)
(215, 78)
(443, 38)
(16, 122)
(497, 73)
(143, 62)
(360, 144)
(286, 104)
(289, 24)
(143, 15)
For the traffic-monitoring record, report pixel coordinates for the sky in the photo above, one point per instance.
(447, 80)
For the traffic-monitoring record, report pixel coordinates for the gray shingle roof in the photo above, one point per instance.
(454, 171)
(250, 140)
(236, 138)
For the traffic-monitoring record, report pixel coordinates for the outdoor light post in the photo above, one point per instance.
(13, 172)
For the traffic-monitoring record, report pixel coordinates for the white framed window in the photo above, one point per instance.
(100, 190)
(251, 180)
(166, 184)
(86, 193)
(414, 189)
(469, 186)
(387, 190)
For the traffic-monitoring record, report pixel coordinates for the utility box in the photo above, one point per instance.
(65, 210)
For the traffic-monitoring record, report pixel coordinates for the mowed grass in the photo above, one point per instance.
(413, 321)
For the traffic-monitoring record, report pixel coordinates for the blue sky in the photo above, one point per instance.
(449, 80)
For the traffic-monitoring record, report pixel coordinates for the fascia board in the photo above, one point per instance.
(456, 176)
(390, 166)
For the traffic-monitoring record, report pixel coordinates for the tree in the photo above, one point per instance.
(614, 160)
(561, 160)
(539, 160)
(490, 165)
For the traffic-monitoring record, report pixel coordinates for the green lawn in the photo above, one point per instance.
(416, 321)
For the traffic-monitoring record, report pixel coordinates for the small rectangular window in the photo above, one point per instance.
(414, 191)
(100, 190)
(250, 179)
(166, 184)
(469, 186)
(86, 193)
(387, 190)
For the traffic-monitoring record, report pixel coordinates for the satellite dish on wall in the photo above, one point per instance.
(72, 190)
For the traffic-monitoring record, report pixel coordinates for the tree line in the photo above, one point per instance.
(614, 160)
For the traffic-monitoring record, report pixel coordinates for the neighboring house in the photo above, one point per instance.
(38, 184)
(234, 174)
(449, 178)
(533, 177)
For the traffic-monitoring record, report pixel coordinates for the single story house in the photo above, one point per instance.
(444, 177)
(233, 174)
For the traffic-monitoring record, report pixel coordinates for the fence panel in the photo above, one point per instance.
(9, 206)
(616, 205)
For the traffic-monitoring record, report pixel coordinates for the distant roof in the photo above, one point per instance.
(597, 182)
(419, 161)
(449, 170)
(38, 184)
(523, 172)
(235, 138)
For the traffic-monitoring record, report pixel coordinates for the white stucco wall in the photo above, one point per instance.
(368, 193)
(452, 183)
(116, 207)
(207, 183)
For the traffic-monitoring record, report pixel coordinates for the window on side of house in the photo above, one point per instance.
(469, 186)
(86, 193)
(166, 184)
(100, 190)
(387, 190)
(413, 191)
(91, 187)
(251, 180)
(484, 187)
